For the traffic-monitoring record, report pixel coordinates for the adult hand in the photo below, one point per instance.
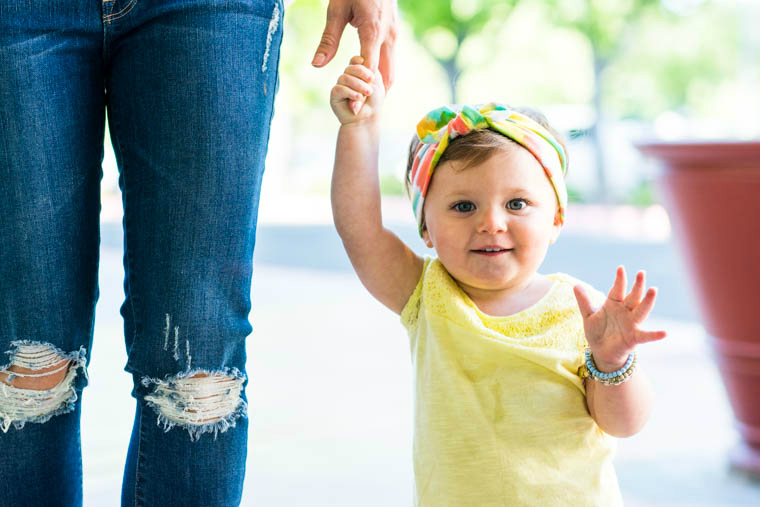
(375, 20)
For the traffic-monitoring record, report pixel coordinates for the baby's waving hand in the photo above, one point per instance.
(612, 331)
(358, 94)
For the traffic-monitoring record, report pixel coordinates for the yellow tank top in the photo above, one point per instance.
(500, 410)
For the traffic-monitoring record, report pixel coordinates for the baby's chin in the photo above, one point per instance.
(469, 283)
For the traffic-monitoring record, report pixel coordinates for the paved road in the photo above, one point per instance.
(330, 392)
(590, 258)
(330, 402)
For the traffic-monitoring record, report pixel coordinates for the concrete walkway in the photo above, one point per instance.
(330, 403)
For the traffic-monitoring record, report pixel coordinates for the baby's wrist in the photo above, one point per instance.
(371, 123)
(610, 362)
(591, 369)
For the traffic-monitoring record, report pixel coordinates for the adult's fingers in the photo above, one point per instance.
(387, 63)
(336, 22)
(370, 39)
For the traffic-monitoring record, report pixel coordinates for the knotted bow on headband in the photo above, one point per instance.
(444, 124)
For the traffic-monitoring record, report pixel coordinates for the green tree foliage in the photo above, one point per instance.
(442, 26)
(647, 58)
(609, 27)
(303, 25)
(678, 63)
(643, 56)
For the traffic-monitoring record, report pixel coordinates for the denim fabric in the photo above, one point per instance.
(188, 86)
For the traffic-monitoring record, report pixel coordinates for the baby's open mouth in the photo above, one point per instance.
(494, 250)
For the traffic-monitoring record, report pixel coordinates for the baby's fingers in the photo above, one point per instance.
(642, 311)
(617, 292)
(355, 84)
(584, 303)
(650, 336)
(359, 71)
(637, 291)
(342, 92)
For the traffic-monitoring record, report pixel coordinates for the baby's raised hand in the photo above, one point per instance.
(358, 94)
(612, 331)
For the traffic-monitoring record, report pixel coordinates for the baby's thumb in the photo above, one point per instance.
(378, 88)
(584, 303)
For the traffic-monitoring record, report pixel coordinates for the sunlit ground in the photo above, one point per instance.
(330, 402)
(330, 391)
(330, 374)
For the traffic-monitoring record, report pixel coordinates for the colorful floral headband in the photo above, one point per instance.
(444, 124)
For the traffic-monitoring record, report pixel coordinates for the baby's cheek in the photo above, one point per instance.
(533, 249)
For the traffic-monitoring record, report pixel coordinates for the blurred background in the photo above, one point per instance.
(330, 391)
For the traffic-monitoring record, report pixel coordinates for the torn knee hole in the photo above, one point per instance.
(35, 367)
(37, 384)
(209, 402)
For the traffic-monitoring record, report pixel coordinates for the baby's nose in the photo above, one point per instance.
(493, 220)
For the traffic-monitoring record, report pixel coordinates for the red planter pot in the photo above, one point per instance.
(712, 193)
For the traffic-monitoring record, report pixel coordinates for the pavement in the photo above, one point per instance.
(331, 380)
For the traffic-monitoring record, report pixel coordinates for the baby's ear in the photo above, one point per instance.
(426, 237)
(556, 228)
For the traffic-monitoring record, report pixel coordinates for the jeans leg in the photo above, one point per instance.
(51, 149)
(190, 87)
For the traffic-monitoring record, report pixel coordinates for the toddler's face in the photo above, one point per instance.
(491, 224)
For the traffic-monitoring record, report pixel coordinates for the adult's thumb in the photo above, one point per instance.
(328, 45)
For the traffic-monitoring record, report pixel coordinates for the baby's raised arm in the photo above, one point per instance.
(613, 332)
(385, 265)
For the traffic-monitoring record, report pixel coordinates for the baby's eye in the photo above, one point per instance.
(464, 206)
(517, 204)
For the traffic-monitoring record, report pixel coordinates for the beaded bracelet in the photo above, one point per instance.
(613, 378)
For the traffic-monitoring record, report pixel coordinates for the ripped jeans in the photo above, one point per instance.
(188, 86)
